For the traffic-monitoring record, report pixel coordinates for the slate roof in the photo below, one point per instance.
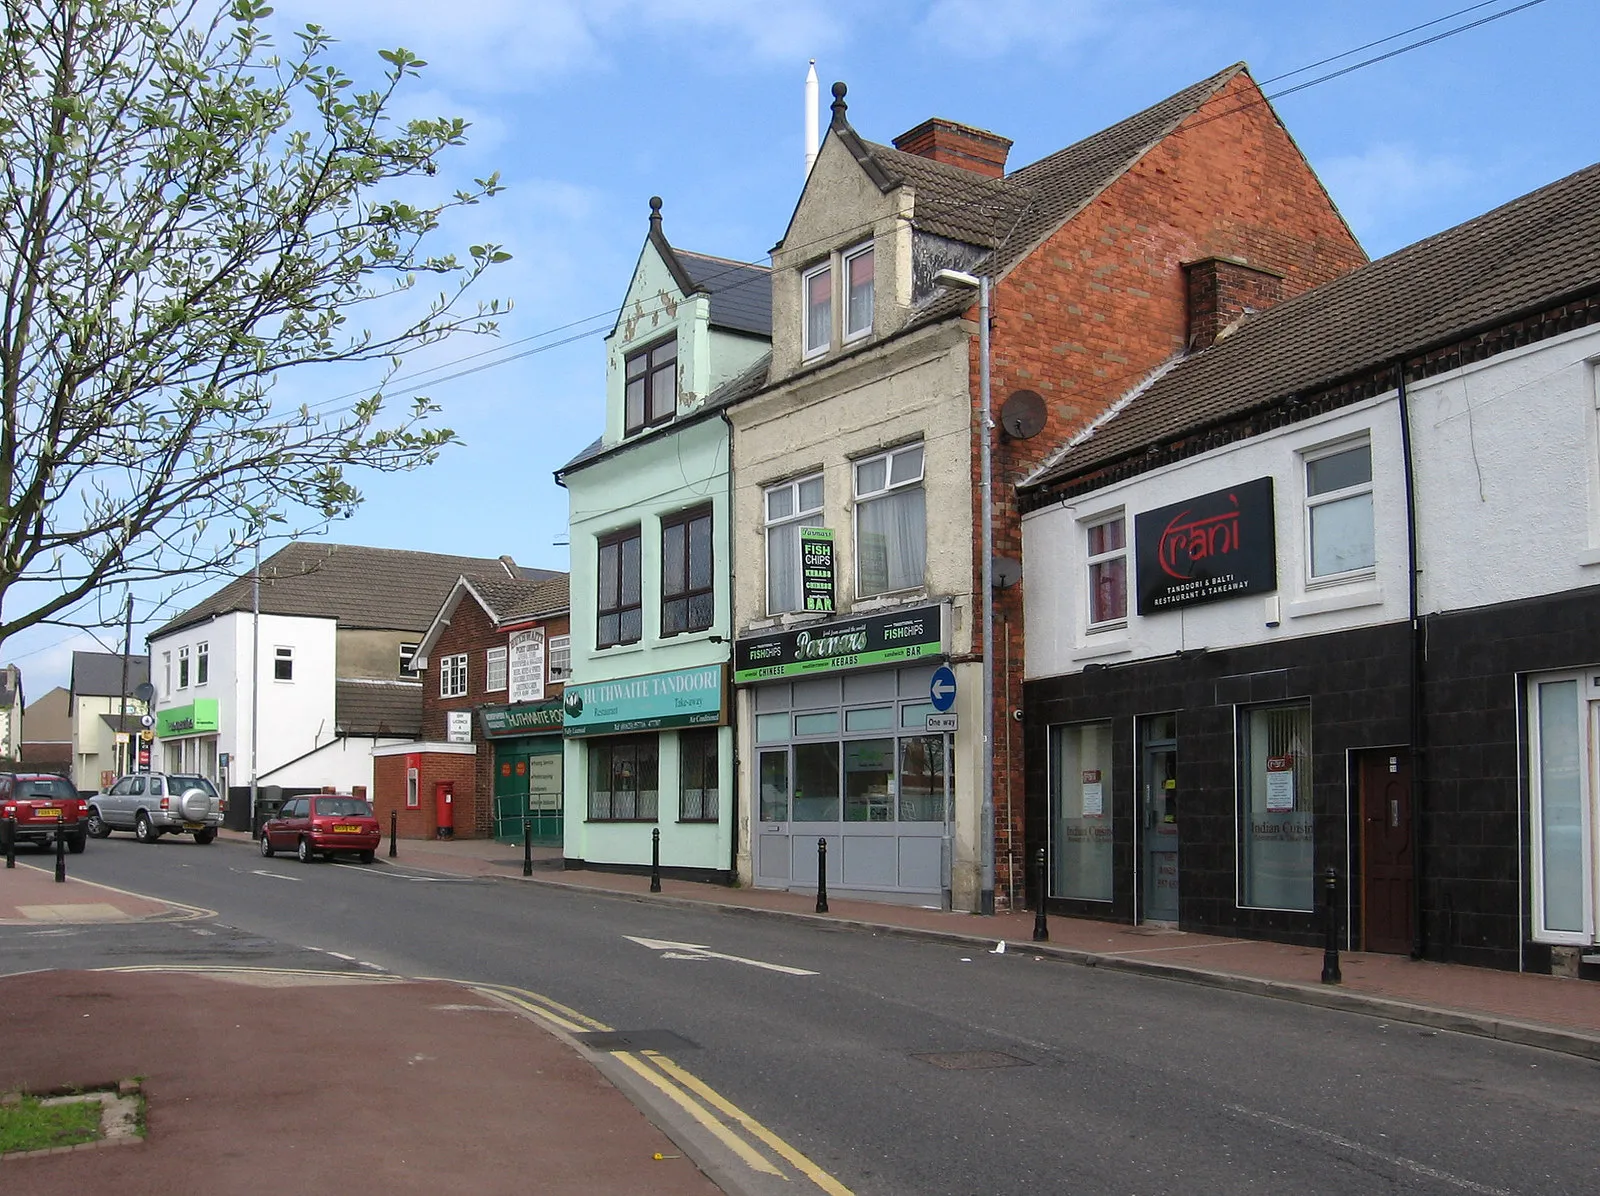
(1526, 256)
(99, 674)
(378, 708)
(381, 588)
(511, 600)
(740, 292)
(120, 722)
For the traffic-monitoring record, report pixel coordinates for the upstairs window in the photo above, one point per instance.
(408, 660)
(494, 669)
(1339, 538)
(790, 507)
(283, 664)
(166, 673)
(651, 386)
(687, 603)
(183, 667)
(858, 293)
(453, 675)
(818, 287)
(1106, 551)
(891, 522)
(620, 612)
(560, 657)
(202, 663)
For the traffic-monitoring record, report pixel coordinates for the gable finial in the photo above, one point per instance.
(655, 213)
(838, 104)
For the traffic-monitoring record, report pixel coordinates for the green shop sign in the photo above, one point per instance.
(521, 718)
(197, 718)
(680, 698)
(841, 644)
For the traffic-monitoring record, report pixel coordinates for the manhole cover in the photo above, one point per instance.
(636, 1040)
(972, 1060)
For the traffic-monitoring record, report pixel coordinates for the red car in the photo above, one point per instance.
(43, 803)
(327, 824)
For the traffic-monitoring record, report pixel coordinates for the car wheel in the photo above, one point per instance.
(266, 846)
(206, 836)
(368, 856)
(304, 853)
(97, 828)
(76, 843)
(144, 830)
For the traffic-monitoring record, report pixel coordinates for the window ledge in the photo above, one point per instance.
(617, 650)
(1368, 595)
(1103, 647)
(887, 601)
(1589, 557)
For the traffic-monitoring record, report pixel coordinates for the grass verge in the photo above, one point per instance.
(31, 1124)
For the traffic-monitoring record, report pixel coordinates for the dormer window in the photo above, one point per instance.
(652, 386)
(818, 286)
(858, 293)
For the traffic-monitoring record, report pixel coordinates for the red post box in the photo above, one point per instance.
(444, 809)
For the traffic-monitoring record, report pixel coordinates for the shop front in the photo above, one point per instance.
(843, 754)
(526, 740)
(188, 738)
(648, 768)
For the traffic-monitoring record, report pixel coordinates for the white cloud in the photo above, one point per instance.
(991, 28)
(1383, 190)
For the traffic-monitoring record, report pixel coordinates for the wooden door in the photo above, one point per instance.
(1387, 842)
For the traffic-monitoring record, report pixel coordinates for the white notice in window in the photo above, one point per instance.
(527, 666)
(1280, 784)
(1093, 794)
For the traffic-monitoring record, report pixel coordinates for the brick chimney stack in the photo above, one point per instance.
(1221, 290)
(945, 141)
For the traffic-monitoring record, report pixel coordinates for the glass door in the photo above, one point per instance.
(1158, 821)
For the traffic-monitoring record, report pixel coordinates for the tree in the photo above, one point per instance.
(187, 215)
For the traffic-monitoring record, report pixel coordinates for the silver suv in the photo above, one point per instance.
(151, 804)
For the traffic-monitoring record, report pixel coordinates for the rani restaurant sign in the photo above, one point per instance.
(1219, 545)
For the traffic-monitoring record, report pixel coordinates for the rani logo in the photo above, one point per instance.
(1186, 542)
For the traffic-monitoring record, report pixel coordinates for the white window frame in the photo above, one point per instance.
(408, 659)
(494, 669)
(558, 657)
(889, 487)
(453, 675)
(789, 524)
(413, 792)
(1310, 502)
(183, 667)
(809, 350)
(202, 663)
(166, 673)
(846, 309)
(283, 653)
(1090, 560)
(1588, 692)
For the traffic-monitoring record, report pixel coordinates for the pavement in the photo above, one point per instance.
(283, 1088)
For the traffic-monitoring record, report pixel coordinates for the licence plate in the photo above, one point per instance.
(46, 812)
(194, 826)
(348, 830)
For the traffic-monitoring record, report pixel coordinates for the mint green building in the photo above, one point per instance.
(649, 741)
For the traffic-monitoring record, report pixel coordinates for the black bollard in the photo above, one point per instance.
(8, 828)
(61, 856)
(655, 860)
(394, 818)
(1041, 929)
(1330, 944)
(822, 876)
(527, 847)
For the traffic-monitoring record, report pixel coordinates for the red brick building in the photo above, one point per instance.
(492, 666)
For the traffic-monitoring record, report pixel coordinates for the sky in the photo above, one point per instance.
(589, 107)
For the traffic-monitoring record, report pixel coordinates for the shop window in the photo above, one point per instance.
(183, 667)
(283, 664)
(817, 285)
(921, 781)
(775, 786)
(620, 613)
(560, 657)
(1080, 811)
(408, 660)
(790, 506)
(202, 663)
(687, 602)
(816, 782)
(697, 776)
(858, 293)
(868, 780)
(1561, 750)
(623, 779)
(1339, 534)
(494, 669)
(891, 531)
(651, 382)
(453, 675)
(1106, 552)
(1275, 826)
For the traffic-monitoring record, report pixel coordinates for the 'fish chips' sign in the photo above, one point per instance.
(1219, 545)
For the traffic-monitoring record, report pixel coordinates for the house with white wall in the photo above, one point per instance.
(292, 678)
(105, 709)
(1316, 603)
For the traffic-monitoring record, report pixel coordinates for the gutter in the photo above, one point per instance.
(1418, 641)
(733, 705)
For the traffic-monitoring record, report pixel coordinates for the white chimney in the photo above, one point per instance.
(811, 116)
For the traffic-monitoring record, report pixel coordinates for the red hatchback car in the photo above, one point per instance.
(42, 804)
(327, 824)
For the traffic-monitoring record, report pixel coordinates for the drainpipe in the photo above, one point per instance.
(733, 705)
(1419, 942)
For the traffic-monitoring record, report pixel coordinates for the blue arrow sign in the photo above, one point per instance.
(942, 689)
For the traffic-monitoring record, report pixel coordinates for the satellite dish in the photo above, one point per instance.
(1022, 415)
(144, 691)
(1007, 572)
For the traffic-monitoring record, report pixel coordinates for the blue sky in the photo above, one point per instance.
(589, 107)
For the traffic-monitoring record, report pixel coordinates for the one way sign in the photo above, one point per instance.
(942, 689)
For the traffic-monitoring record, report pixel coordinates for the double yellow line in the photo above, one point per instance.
(746, 1138)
